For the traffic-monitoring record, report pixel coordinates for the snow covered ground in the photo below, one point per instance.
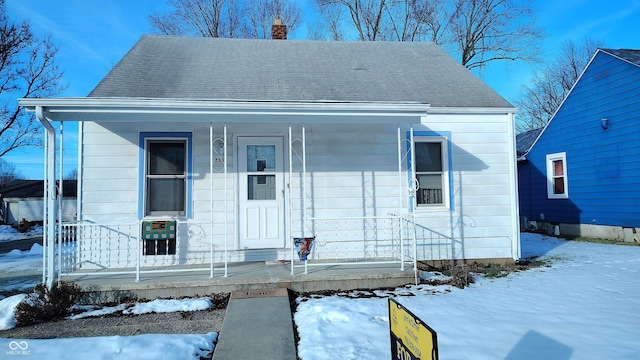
(584, 306)
(8, 233)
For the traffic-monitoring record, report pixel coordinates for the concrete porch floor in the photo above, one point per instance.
(242, 276)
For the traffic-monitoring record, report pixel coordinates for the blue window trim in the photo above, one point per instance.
(141, 167)
(447, 136)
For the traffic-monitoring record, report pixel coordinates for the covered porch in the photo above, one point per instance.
(111, 287)
(345, 248)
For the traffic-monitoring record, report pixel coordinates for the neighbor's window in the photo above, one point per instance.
(557, 176)
(431, 171)
(166, 177)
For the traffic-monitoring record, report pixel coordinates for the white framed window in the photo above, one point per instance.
(432, 171)
(557, 184)
(165, 167)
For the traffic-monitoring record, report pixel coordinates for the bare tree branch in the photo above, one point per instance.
(480, 31)
(540, 100)
(225, 18)
(491, 30)
(27, 69)
(262, 13)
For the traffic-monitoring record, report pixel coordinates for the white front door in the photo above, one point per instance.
(261, 192)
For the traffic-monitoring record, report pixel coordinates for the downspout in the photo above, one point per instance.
(79, 179)
(49, 216)
(60, 199)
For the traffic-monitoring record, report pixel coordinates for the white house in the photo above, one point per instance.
(245, 145)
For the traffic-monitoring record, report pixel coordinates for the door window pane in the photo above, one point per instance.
(261, 187)
(261, 158)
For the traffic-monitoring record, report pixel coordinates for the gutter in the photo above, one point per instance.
(137, 109)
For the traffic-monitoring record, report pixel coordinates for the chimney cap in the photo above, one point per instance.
(277, 22)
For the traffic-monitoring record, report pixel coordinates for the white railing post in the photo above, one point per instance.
(138, 249)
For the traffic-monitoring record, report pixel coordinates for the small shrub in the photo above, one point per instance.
(494, 272)
(461, 277)
(48, 304)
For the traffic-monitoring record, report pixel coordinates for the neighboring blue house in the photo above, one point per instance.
(581, 175)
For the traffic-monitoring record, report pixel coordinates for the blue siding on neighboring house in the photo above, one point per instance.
(603, 166)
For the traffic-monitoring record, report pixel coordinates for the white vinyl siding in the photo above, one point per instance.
(352, 171)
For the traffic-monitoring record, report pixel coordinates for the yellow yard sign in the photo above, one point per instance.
(411, 339)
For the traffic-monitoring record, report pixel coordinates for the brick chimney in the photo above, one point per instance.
(278, 30)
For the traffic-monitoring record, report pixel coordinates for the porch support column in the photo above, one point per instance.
(304, 191)
(226, 217)
(415, 185)
(49, 208)
(401, 193)
(59, 199)
(290, 202)
(211, 198)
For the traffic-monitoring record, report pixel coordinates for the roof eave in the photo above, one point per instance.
(181, 110)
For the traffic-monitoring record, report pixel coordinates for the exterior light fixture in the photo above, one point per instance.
(604, 122)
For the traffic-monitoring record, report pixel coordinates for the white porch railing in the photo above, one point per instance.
(107, 249)
(358, 240)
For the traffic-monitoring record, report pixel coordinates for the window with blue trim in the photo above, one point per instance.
(432, 171)
(166, 175)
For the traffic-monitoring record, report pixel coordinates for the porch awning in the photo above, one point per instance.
(228, 111)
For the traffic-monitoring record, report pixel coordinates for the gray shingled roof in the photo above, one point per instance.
(23, 189)
(525, 140)
(274, 70)
(632, 56)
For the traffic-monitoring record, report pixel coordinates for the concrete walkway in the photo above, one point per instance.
(257, 325)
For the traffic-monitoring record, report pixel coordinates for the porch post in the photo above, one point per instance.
(45, 188)
(304, 191)
(290, 211)
(400, 199)
(225, 159)
(49, 214)
(414, 187)
(60, 199)
(211, 199)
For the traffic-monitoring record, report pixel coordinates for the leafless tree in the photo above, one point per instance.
(225, 18)
(71, 175)
(28, 68)
(261, 15)
(492, 30)
(196, 18)
(8, 173)
(480, 31)
(328, 26)
(365, 17)
(540, 100)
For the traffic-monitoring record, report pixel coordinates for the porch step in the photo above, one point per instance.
(257, 325)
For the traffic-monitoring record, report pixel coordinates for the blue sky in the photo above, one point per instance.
(93, 35)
